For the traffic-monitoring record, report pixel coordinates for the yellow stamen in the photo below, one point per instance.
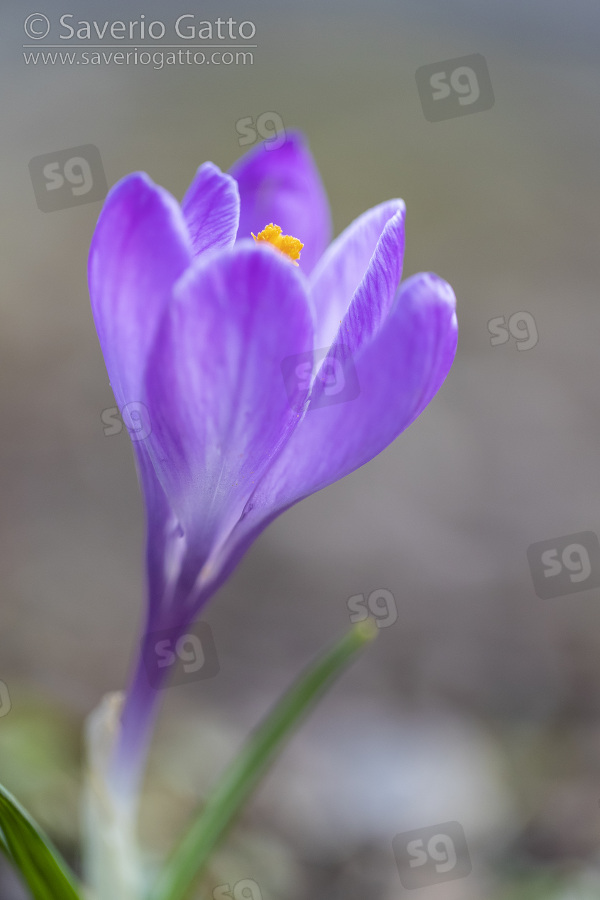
(289, 245)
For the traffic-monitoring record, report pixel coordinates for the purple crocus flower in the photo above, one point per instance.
(198, 323)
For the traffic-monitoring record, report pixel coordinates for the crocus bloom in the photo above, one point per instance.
(200, 308)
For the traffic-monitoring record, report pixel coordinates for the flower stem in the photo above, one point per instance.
(138, 718)
(110, 851)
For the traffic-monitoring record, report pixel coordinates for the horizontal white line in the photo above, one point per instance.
(136, 46)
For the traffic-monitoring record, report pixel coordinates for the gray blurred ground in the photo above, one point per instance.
(481, 703)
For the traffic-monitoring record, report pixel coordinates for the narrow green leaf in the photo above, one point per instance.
(239, 780)
(42, 868)
(4, 846)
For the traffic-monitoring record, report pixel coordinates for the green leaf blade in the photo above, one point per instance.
(241, 777)
(31, 852)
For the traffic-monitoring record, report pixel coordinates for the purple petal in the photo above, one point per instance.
(219, 405)
(211, 208)
(139, 249)
(282, 185)
(398, 374)
(366, 261)
(161, 534)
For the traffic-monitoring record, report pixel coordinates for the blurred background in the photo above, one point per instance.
(479, 705)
